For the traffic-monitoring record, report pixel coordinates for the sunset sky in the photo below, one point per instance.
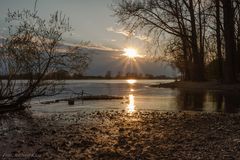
(92, 20)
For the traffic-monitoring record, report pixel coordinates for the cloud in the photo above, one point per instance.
(143, 38)
(101, 47)
(91, 46)
(128, 34)
(119, 31)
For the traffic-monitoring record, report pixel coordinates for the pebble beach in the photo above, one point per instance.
(120, 135)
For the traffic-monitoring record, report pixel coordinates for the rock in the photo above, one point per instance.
(122, 140)
(121, 130)
(71, 102)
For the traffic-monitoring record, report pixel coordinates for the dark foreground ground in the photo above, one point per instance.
(120, 135)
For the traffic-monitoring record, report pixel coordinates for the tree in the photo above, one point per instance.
(184, 19)
(177, 57)
(108, 74)
(195, 29)
(230, 43)
(218, 40)
(32, 49)
(119, 74)
(237, 20)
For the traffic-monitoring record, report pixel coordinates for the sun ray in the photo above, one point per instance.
(137, 66)
(130, 61)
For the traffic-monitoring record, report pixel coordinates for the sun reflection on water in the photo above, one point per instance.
(131, 81)
(131, 100)
(131, 105)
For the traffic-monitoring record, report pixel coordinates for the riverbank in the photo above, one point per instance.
(211, 85)
(120, 135)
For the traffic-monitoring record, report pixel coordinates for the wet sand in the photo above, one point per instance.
(120, 135)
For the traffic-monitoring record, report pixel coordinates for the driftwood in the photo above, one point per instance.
(86, 98)
(14, 108)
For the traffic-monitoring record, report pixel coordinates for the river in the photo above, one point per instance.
(139, 96)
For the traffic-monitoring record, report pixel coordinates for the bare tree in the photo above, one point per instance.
(33, 49)
(185, 19)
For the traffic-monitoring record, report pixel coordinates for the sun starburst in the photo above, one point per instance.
(131, 53)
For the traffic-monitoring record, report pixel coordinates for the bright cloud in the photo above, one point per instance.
(119, 31)
(128, 34)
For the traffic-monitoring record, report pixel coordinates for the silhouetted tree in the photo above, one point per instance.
(198, 32)
(230, 43)
(184, 19)
(32, 49)
(119, 74)
(108, 74)
(218, 40)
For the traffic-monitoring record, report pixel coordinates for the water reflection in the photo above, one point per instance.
(131, 105)
(191, 100)
(228, 102)
(131, 101)
(140, 97)
(131, 81)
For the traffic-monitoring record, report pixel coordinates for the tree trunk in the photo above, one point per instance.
(198, 66)
(230, 45)
(185, 44)
(219, 43)
(187, 74)
(238, 42)
(238, 49)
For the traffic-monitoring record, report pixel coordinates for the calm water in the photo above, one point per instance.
(138, 96)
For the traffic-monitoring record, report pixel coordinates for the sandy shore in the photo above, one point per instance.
(120, 135)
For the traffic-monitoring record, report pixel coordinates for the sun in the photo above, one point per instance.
(131, 53)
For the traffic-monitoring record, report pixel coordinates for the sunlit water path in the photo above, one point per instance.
(139, 96)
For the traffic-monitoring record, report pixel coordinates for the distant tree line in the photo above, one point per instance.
(135, 75)
(62, 74)
(203, 35)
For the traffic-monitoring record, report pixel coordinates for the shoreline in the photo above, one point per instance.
(209, 85)
(121, 135)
